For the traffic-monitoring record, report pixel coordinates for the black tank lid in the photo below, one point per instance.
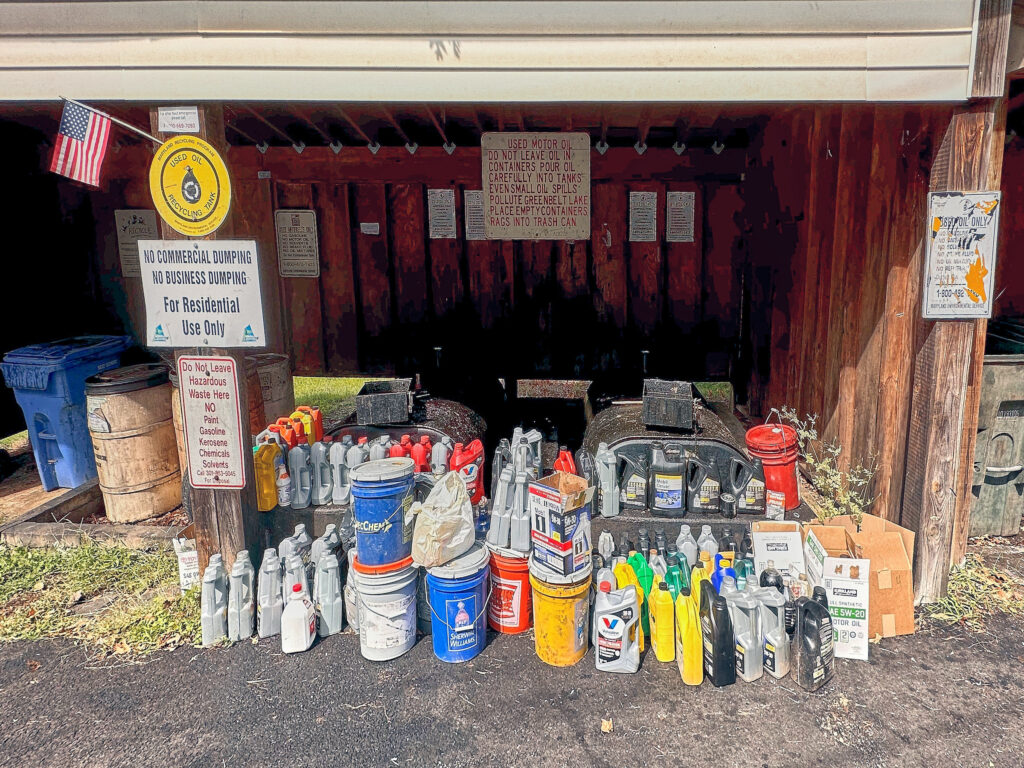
(128, 379)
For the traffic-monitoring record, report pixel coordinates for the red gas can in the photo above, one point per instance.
(468, 461)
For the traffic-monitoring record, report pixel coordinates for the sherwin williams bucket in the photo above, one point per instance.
(381, 497)
(458, 600)
(561, 611)
(386, 600)
(508, 610)
(777, 447)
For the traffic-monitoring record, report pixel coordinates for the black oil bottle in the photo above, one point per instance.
(716, 632)
(771, 577)
(813, 660)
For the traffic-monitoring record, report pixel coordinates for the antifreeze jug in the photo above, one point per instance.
(323, 478)
(718, 638)
(775, 646)
(645, 578)
(666, 487)
(302, 478)
(676, 577)
(269, 601)
(213, 603)
(689, 644)
(617, 636)
(298, 622)
(607, 481)
(339, 471)
(687, 545)
(265, 461)
(327, 596)
(811, 649)
(663, 626)
(240, 598)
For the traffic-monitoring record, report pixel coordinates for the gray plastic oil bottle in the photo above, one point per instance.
(687, 545)
(356, 455)
(339, 472)
(213, 603)
(286, 550)
(776, 639)
(746, 623)
(501, 509)
(269, 600)
(522, 458)
(323, 479)
(329, 542)
(607, 480)
(295, 573)
(519, 524)
(707, 542)
(351, 594)
(301, 474)
(440, 455)
(502, 459)
(327, 597)
(240, 598)
(533, 439)
(380, 448)
(616, 628)
(303, 541)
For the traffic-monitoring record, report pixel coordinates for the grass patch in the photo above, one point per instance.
(116, 600)
(15, 441)
(336, 397)
(976, 592)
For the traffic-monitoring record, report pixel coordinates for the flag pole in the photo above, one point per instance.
(113, 119)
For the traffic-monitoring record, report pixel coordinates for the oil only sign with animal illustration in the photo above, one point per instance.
(962, 237)
(202, 293)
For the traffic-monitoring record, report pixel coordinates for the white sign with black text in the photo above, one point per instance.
(213, 421)
(132, 226)
(643, 217)
(474, 208)
(679, 216)
(202, 293)
(178, 119)
(298, 253)
(441, 214)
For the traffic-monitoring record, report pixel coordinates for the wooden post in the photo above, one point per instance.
(219, 515)
(947, 373)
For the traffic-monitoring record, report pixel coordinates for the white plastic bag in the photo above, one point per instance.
(444, 523)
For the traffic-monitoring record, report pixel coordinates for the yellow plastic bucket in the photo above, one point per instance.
(561, 614)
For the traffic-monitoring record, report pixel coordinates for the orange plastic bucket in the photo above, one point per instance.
(509, 610)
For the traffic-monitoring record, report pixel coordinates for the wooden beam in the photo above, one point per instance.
(990, 48)
(968, 160)
(219, 515)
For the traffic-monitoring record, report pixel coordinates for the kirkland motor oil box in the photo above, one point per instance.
(560, 506)
(831, 556)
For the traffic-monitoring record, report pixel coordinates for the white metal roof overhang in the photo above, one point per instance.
(489, 52)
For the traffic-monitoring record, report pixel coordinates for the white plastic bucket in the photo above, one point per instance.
(386, 609)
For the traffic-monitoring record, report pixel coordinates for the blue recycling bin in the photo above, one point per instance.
(49, 384)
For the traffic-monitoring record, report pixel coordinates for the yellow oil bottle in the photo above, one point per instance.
(663, 621)
(698, 575)
(689, 643)
(624, 574)
(307, 422)
(267, 457)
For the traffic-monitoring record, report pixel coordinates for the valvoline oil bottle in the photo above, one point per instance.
(811, 650)
(663, 621)
(617, 636)
(689, 644)
(468, 461)
(717, 635)
(645, 577)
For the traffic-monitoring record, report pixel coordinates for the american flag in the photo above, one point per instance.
(81, 144)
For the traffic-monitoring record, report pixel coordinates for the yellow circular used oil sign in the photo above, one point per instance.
(190, 185)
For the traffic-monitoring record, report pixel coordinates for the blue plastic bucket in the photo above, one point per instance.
(381, 497)
(458, 605)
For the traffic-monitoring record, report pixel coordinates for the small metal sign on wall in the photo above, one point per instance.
(963, 235)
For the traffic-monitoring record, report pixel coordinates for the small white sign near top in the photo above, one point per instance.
(536, 186)
(178, 119)
(213, 421)
(202, 293)
(963, 232)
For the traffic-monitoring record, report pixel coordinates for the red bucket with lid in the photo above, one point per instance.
(777, 447)
(509, 609)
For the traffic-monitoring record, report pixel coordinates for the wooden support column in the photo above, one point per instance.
(219, 515)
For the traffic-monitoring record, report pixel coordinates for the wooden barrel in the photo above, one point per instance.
(132, 430)
(275, 372)
(179, 423)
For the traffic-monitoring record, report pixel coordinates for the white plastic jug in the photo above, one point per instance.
(302, 479)
(294, 573)
(298, 622)
(687, 545)
(329, 542)
(327, 596)
(240, 598)
(269, 601)
(607, 480)
(213, 603)
(440, 455)
(616, 628)
(323, 479)
(339, 470)
(707, 542)
(303, 541)
(380, 448)
(606, 546)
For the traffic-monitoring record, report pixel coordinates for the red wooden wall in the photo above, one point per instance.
(1009, 285)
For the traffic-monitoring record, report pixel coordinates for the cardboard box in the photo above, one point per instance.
(780, 542)
(890, 548)
(560, 507)
(830, 554)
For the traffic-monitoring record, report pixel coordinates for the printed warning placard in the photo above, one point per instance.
(963, 231)
(213, 421)
(536, 186)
